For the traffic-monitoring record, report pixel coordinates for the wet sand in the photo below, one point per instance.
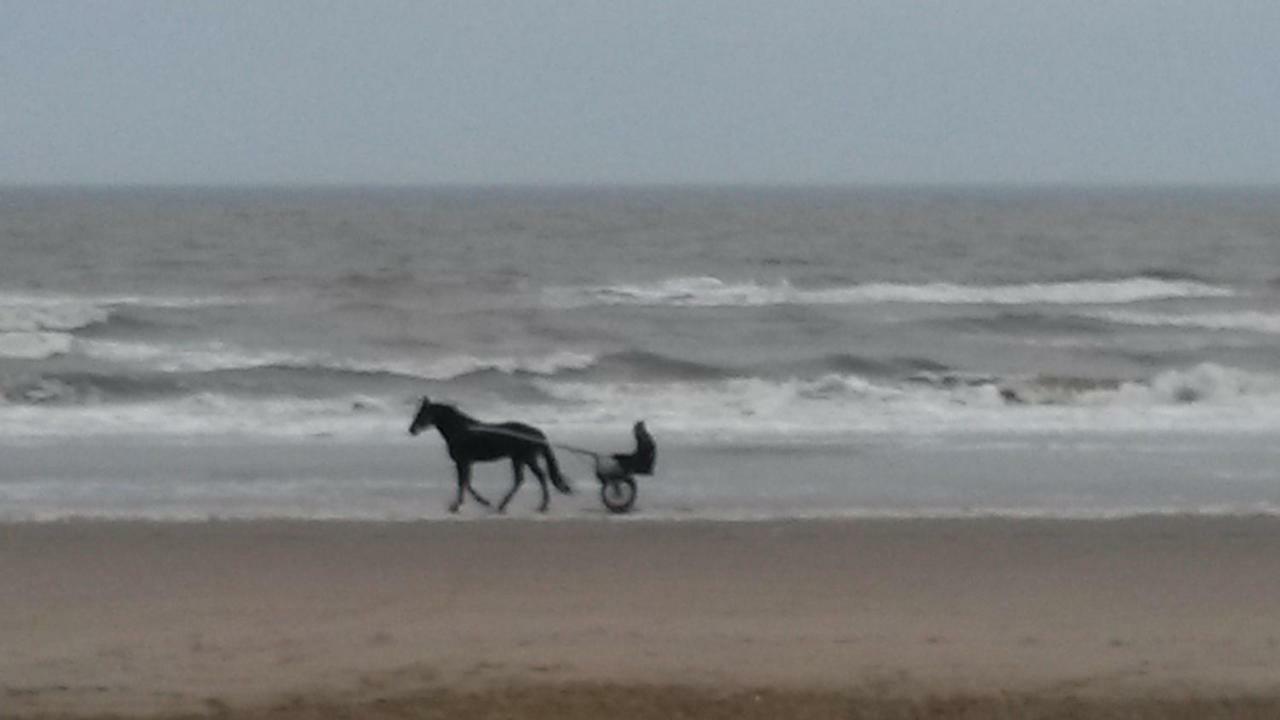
(1147, 617)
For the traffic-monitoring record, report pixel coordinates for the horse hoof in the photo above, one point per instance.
(453, 509)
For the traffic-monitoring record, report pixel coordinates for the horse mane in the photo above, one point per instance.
(452, 414)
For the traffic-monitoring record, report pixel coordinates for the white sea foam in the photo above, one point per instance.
(29, 312)
(215, 356)
(1203, 398)
(705, 291)
(208, 415)
(166, 357)
(30, 315)
(1209, 383)
(454, 366)
(34, 345)
(34, 327)
(1248, 320)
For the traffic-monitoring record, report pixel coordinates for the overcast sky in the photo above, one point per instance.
(741, 91)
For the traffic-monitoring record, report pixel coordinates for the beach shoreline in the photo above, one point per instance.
(249, 618)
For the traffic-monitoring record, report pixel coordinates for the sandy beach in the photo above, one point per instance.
(1143, 617)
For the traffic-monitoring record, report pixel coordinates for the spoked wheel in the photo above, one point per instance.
(618, 494)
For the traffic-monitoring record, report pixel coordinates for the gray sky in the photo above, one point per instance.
(748, 91)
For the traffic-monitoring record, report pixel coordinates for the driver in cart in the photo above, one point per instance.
(638, 462)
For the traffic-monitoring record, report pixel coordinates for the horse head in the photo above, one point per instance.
(424, 417)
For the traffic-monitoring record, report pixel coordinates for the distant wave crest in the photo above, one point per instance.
(33, 312)
(31, 315)
(217, 356)
(1248, 320)
(35, 327)
(706, 291)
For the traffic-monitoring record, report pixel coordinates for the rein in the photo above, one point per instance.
(541, 441)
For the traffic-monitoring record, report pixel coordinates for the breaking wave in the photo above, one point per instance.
(1206, 383)
(31, 315)
(34, 345)
(36, 327)
(208, 414)
(1206, 397)
(217, 356)
(706, 291)
(1027, 322)
(79, 388)
(36, 313)
(1248, 321)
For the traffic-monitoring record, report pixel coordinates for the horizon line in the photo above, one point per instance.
(629, 185)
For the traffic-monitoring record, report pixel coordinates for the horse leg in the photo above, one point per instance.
(467, 485)
(464, 479)
(517, 477)
(542, 483)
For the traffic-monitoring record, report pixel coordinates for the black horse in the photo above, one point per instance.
(470, 441)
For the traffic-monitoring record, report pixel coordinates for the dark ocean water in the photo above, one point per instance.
(739, 318)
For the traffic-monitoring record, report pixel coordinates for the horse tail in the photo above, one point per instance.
(553, 469)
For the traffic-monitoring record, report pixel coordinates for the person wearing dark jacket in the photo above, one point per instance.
(640, 461)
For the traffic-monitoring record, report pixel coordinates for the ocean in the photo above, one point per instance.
(187, 354)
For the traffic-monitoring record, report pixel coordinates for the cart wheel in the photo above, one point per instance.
(618, 494)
